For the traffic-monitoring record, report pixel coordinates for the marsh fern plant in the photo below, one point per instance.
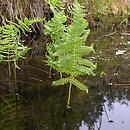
(11, 46)
(67, 50)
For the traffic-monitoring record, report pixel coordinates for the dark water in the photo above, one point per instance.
(39, 106)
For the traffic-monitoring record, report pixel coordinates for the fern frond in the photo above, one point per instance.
(63, 69)
(11, 47)
(84, 50)
(56, 24)
(17, 25)
(29, 22)
(62, 81)
(80, 85)
(85, 70)
(87, 63)
(68, 46)
(1, 58)
(79, 50)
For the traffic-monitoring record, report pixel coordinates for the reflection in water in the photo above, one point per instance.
(10, 114)
(46, 110)
(119, 115)
(39, 106)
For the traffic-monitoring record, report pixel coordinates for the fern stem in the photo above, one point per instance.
(9, 68)
(61, 75)
(69, 96)
(15, 77)
(50, 72)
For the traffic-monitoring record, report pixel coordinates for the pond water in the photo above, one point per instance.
(39, 106)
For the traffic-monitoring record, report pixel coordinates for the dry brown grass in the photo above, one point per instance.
(38, 8)
(11, 9)
(119, 7)
(22, 8)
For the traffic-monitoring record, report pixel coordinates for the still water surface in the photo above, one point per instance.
(118, 118)
(39, 106)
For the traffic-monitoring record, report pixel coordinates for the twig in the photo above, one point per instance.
(115, 74)
(110, 34)
(121, 84)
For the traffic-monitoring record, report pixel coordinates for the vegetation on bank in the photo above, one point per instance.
(107, 13)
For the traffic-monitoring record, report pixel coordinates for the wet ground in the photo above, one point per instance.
(39, 106)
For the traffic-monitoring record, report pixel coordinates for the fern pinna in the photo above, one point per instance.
(67, 48)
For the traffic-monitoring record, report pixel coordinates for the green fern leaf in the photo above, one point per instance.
(85, 70)
(62, 81)
(87, 63)
(80, 85)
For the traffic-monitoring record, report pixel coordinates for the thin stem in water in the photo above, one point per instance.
(15, 77)
(9, 68)
(68, 102)
(61, 75)
(50, 72)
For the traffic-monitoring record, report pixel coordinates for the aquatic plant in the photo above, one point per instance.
(11, 46)
(67, 49)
